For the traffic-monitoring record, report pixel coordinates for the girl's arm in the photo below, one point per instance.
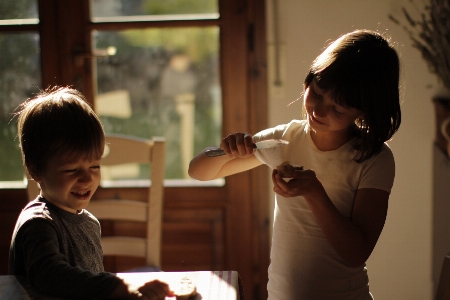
(238, 158)
(353, 239)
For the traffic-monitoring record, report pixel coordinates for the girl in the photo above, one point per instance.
(329, 216)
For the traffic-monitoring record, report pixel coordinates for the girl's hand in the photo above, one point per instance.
(304, 183)
(238, 145)
(155, 290)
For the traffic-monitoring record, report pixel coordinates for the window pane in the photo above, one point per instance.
(18, 9)
(120, 8)
(162, 82)
(20, 78)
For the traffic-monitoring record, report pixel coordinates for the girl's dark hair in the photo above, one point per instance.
(58, 121)
(361, 70)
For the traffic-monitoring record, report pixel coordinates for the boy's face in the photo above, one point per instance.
(68, 183)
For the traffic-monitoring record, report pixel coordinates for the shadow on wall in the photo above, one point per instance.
(441, 209)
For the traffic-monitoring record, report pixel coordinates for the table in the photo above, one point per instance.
(211, 285)
(10, 288)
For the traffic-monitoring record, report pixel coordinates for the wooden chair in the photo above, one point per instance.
(124, 150)
(33, 189)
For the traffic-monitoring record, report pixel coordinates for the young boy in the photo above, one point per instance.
(55, 246)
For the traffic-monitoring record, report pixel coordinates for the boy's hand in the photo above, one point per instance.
(238, 145)
(155, 290)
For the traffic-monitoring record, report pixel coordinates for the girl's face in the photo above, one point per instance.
(325, 115)
(68, 183)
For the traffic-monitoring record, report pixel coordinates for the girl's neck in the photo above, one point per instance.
(328, 141)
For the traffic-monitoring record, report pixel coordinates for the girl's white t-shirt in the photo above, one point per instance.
(303, 264)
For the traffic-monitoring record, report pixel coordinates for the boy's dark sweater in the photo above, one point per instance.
(59, 253)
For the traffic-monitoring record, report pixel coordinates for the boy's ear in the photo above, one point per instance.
(33, 173)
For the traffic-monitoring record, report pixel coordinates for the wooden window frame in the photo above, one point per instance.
(243, 202)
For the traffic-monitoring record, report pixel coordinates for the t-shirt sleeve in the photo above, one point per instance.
(267, 156)
(379, 171)
(49, 271)
(261, 136)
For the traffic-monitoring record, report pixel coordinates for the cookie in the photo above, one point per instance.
(286, 170)
(185, 289)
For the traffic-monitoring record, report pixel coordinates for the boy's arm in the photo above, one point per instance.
(50, 273)
(154, 289)
(48, 270)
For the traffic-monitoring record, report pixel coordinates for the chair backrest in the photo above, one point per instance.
(443, 289)
(125, 150)
(33, 189)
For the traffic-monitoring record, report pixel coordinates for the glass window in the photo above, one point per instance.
(161, 82)
(22, 12)
(170, 9)
(20, 78)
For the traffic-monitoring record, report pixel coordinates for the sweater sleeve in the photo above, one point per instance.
(49, 271)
